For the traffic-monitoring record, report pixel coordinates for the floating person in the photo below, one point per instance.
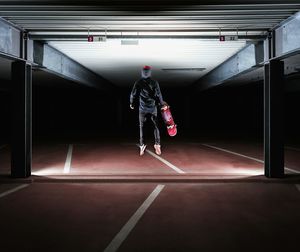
(147, 91)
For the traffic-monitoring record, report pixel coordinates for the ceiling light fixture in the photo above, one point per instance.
(184, 69)
(129, 42)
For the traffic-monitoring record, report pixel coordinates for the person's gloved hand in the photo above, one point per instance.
(131, 106)
(164, 105)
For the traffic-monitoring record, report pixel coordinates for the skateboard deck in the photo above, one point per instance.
(169, 121)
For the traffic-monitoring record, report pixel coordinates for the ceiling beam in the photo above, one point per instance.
(46, 58)
(287, 37)
(149, 5)
(285, 43)
(51, 60)
(84, 37)
(247, 59)
(152, 15)
(10, 40)
(149, 8)
(182, 16)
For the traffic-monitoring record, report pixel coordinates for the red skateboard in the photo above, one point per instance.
(169, 121)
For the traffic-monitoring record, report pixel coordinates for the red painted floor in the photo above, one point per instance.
(184, 217)
(292, 159)
(122, 159)
(67, 217)
(6, 186)
(198, 159)
(292, 154)
(49, 158)
(53, 214)
(220, 217)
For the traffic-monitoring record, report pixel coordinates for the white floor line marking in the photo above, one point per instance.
(241, 155)
(234, 153)
(13, 190)
(292, 148)
(67, 167)
(127, 228)
(298, 187)
(292, 170)
(175, 168)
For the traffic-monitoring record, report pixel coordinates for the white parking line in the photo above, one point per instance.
(234, 153)
(292, 148)
(13, 190)
(67, 167)
(298, 187)
(241, 155)
(175, 168)
(127, 228)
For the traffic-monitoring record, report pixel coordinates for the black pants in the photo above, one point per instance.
(143, 118)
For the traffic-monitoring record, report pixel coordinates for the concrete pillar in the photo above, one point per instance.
(273, 128)
(21, 119)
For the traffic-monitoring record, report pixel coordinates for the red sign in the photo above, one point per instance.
(222, 38)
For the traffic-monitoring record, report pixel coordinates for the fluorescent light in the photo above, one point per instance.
(184, 69)
(129, 42)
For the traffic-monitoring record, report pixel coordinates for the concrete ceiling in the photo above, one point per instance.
(192, 29)
(205, 17)
(175, 62)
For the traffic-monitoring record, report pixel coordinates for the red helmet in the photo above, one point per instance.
(146, 67)
(146, 72)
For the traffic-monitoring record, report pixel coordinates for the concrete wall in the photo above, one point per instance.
(70, 113)
(229, 111)
(237, 111)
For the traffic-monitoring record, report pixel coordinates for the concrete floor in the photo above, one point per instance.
(183, 217)
(51, 213)
(211, 159)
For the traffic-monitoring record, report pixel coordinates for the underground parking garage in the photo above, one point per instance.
(73, 177)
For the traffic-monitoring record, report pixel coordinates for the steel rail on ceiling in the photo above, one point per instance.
(136, 9)
(219, 24)
(173, 20)
(31, 13)
(83, 37)
(120, 15)
(47, 5)
(115, 16)
(160, 18)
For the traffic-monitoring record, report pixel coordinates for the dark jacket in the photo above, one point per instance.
(149, 94)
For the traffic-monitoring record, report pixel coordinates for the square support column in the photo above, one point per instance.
(21, 120)
(273, 119)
